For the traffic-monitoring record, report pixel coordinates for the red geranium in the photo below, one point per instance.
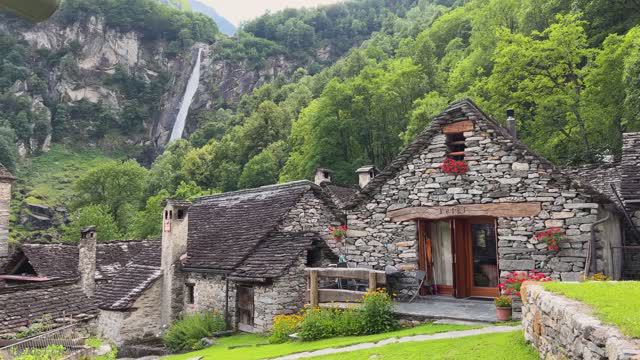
(513, 281)
(551, 237)
(338, 232)
(451, 166)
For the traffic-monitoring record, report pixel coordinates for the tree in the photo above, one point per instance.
(119, 186)
(92, 215)
(8, 153)
(263, 169)
(166, 172)
(147, 223)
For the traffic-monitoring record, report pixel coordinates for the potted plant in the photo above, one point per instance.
(551, 237)
(338, 232)
(503, 307)
(452, 166)
(513, 284)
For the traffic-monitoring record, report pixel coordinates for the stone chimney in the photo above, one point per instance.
(87, 260)
(365, 174)
(6, 179)
(511, 123)
(322, 175)
(175, 221)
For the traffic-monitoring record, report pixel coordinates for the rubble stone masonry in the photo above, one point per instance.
(5, 200)
(500, 171)
(561, 328)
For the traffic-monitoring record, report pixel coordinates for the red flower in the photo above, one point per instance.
(513, 281)
(338, 232)
(451, 166)
(551, 237)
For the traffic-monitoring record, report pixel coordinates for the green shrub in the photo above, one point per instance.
(51, 352)
(349, 323)
(283, 326)
(377, 313)
(185, 334)
(319, 323)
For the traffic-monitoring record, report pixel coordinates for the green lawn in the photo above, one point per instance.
(500, 346)
(253, 346)
(613, 302)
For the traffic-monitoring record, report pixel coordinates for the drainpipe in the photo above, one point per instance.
(226, 301)
(592, 242)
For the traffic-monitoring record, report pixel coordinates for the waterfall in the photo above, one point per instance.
(189, 92)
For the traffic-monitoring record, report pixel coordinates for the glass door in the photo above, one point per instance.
(484, 257)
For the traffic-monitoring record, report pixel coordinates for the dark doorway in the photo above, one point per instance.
(245, 308)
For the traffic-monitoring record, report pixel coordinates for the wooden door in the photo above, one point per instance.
(245, 307)
(475, 257)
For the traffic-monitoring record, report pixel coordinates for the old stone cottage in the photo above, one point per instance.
(469, 230)
(246, 251)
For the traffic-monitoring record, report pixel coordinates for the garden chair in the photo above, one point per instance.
(421, 276)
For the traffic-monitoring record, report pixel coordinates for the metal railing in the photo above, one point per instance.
(67, 336)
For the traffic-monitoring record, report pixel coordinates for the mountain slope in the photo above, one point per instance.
(225, 26)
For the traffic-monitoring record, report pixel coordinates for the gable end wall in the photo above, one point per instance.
(499, 173)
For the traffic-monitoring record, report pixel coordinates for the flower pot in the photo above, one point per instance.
(503, 313)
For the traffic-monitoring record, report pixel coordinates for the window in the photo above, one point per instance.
(455, 146)
(166, 215)
(191, 299)
(170, 214)
(180, 214)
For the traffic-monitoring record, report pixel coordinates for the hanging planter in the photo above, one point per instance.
(551, 237)
(451, 166)
(338, 232)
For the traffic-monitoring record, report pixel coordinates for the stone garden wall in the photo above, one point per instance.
(561, 328)
(500, 171)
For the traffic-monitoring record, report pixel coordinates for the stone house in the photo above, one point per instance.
(246, 252)
(112, 287)
(6, 179)
(469, 230)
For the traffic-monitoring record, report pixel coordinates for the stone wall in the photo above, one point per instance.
(209, 292)
(285, 296)
(500, 171)
(142, 322)
(561, 328)
(5, 200)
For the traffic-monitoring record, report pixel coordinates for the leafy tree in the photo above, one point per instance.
(263, 169)
(8, 153)
(147, 223)
(119, 186)
(166, 171)
(92, 215)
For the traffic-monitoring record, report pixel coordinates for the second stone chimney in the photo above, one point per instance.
(322, 175)
(175, 227)
(511, 123)
(366, 174)
(87, 260)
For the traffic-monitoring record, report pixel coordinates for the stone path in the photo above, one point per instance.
(439, 307)
(371, 345)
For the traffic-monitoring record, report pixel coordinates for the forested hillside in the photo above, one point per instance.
(569, 68)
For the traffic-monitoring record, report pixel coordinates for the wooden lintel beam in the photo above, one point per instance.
(524, 209)
(458, 127)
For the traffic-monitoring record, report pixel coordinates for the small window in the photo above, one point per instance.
(456, 146)
(325, 174)
(180, 214)
(170, 214)
(191, 298)
(166, 215)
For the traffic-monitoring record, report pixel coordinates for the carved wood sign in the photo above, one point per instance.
(525, 209)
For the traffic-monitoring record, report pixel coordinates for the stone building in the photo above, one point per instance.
(469, 230)
(6, 179)
(246, 252)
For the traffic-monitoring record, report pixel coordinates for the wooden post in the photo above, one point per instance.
(313, 288)
(372, 281)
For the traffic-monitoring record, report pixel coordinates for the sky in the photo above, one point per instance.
(237, 11)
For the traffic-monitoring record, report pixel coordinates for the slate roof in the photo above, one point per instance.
(55, 261)
(459, 110)
(630, 170)
(129, 284)
(276, 254)
(111, 257)
(600, 177)
(5, 174)
(341, 194)
(24, 305)
(225, 229)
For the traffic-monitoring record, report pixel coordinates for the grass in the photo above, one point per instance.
(501, 346)
(48, 178)
(613, 302)
(253, 347)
